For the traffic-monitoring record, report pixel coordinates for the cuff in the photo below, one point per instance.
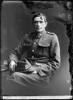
(13, 57)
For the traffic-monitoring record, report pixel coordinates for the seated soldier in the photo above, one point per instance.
(38, 54)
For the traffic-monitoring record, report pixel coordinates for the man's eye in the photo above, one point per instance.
(41, 21)
(38, 22)
(35, 22)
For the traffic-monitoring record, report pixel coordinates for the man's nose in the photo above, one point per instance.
(38, 24)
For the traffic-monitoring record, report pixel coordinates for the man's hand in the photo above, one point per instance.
(12, 65)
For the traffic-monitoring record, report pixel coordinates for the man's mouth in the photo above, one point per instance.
(38, 28)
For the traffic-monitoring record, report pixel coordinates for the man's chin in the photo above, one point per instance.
(38, 30)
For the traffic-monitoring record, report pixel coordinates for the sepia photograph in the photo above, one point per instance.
(36, 49)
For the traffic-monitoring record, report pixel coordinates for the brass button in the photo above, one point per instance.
(32, 56)
(34, 43)
(33, 50)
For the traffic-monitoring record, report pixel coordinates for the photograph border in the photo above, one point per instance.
(68, 11)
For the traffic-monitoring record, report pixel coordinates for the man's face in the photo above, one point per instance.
(39, 23)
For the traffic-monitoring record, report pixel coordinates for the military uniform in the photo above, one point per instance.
(42, 54)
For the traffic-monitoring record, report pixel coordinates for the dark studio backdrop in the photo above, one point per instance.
(15, 22)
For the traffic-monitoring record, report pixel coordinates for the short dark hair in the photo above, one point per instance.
(39, 14)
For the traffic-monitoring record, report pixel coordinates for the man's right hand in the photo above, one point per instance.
(12, 65)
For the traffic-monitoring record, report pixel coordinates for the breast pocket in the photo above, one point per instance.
(43, 50)
(44, 42)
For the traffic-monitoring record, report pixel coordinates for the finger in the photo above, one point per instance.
(11, 67)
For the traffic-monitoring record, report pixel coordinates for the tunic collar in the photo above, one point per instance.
(41, 34)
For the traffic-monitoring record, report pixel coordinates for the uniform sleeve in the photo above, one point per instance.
(17, 52)
(55, 52)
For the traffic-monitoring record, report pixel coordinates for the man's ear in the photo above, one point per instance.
(46, 23)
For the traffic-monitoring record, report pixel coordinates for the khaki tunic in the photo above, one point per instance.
(42, 57)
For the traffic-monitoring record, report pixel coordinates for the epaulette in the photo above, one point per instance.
(51, 33)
